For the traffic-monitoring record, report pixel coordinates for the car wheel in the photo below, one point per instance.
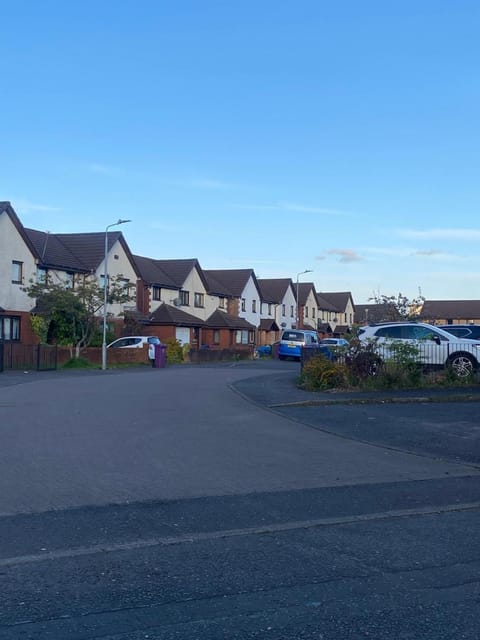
(462, 364)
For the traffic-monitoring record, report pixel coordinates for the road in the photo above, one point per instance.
(213, 502)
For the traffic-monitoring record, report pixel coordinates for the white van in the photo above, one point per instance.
(293, 340)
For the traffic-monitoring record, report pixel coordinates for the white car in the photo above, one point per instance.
(133, 342)
(335, 342)
(435, 346)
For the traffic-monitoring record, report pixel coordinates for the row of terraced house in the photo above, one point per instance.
(220, 308)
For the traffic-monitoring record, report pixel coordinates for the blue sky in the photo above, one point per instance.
(341, 137)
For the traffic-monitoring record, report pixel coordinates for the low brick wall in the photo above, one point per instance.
(219, 355)
(114, 356)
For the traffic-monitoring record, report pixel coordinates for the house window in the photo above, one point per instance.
(157, 293)
(345, 318)
(254, 306)
(221, 303)
(184, 298)
(17, 272)
(243, 305)
(124, 283)
(291, 311)
(68, 280)
(10, 328)
(216, 336)
(313, 312)
(306, 312)
(102, 281)
(41, 275)
(198, 300)
(270, 309)
(244, 336)
(283, 309)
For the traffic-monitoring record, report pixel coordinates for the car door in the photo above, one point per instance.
(432, 346)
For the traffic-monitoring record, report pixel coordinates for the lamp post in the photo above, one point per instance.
(298, 303)
(105, 285)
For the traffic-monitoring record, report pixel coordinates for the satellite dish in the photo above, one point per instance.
(177, 302)
(284, 324)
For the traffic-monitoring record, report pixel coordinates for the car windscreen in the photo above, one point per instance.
(296, 336)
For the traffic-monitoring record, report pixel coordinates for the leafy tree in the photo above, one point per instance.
(399, 307)
(71, 316)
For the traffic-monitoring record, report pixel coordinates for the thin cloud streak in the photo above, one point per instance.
(293, 207)
(26, 207)
(440, 234)
(213, 185)
(104, 169)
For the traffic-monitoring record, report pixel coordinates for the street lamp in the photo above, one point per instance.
(105, 285)
(298, 303)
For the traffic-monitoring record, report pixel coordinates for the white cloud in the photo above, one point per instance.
(345, 255)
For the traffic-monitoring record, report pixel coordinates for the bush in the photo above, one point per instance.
(319, 374)
(174, 351)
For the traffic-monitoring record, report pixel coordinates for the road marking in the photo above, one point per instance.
(232, 533)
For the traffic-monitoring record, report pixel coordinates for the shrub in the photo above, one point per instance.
(174, 351)
(319, 374)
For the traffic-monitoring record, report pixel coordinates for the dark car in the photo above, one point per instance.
(467, 331)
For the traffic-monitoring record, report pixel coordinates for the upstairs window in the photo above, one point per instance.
(243, 305)
(254, 306)
(17, 272)
(221, 303)
(198, 300)
(283, 309)
(184, 298)
(157, 293)
(68, 280)
(291, 311)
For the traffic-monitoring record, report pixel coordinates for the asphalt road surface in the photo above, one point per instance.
(221, 502)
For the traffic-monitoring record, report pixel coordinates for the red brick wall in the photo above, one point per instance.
(26, 334)
(233, 307)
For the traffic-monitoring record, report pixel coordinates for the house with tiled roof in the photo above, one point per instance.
(306, 311)
(375, 312)
(179, 300)
(240, 290)
(277, 310)
(18, 264)
(29, 255)
(342, 302)
(451, 311)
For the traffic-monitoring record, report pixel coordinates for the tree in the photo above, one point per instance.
(70, 316)
(399, 307)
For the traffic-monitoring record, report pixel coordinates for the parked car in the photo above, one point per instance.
(335, 342)
(436, 347)
(133, 342)
(466, 331)
(293, 340)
